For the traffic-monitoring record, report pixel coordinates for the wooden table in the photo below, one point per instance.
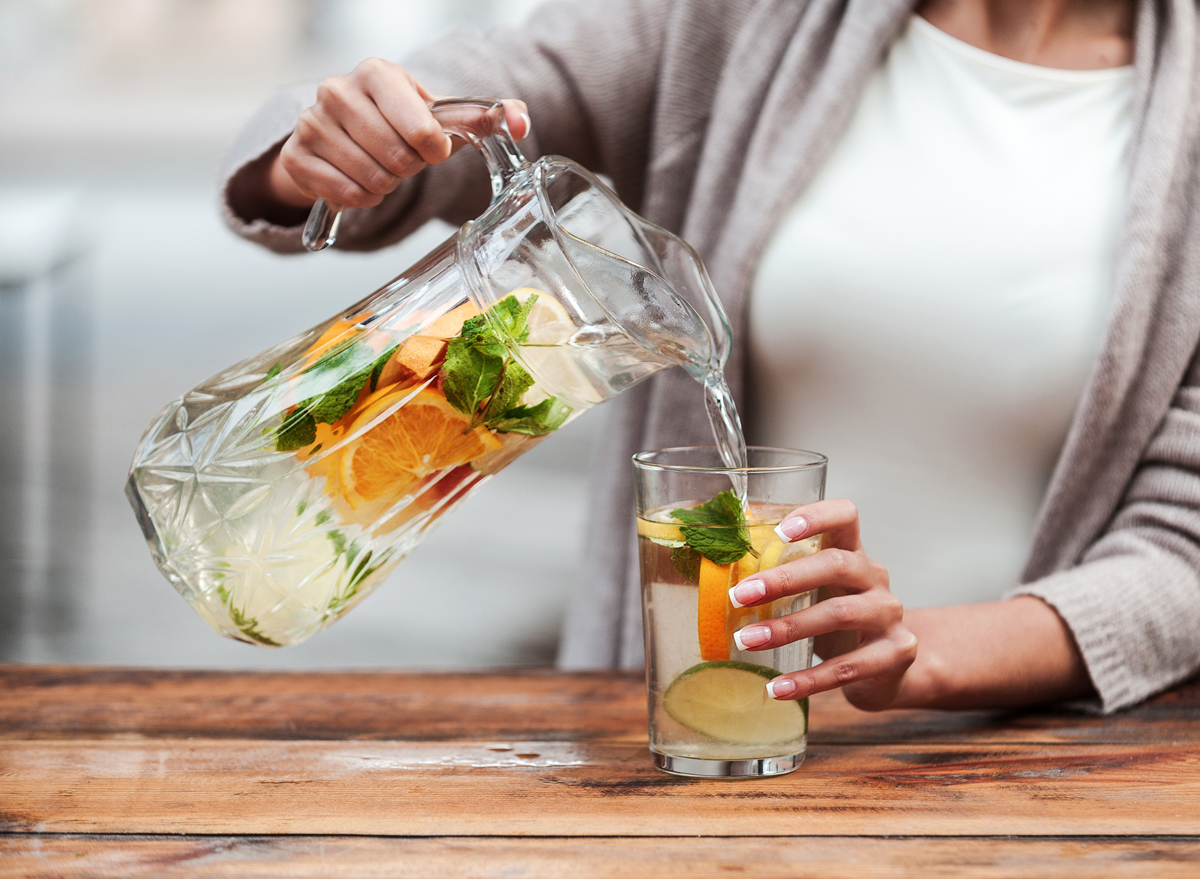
(114, 772)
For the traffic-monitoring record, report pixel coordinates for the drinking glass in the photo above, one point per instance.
(710, 715)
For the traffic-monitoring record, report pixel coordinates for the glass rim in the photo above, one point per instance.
(642, 460)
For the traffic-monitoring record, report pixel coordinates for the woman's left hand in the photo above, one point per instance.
(857, 622)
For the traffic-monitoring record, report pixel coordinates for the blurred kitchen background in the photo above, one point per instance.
(120, 289)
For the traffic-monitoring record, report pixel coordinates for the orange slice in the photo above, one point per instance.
(713, 610)
(716, 618)
(450, 324)
(424, 435)
(333, 334)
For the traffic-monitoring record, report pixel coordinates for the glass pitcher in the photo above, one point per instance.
(279, 493)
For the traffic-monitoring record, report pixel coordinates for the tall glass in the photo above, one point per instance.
(710, 715)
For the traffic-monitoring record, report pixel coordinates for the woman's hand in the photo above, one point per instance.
(857, 623)
(367, 131)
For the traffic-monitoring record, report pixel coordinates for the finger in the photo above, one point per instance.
(517, 116)
(327, 139)
(318, 179)
(836, 520)
(341, 103)
(853, 571)
(404, 107)
(884, 658)
(874, 612)
(326, 166)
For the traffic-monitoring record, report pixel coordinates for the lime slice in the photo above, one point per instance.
(728, 701)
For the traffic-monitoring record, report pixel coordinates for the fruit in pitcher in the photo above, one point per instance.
(417, 358)
(423, 436)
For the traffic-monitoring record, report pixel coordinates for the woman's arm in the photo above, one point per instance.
(1133, 600)
(588, 73)
(1002, 654)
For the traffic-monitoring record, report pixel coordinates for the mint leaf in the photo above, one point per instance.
(248, 626)
(272, 372)
(354, 363)
(358, 575)
(687, 562)
(479, 370)
(297, 431)
(717, 530)
(514, 383)
(333, 405)
(512, 317)
(539, 420)
(470, 373)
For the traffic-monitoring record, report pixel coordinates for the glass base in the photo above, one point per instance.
(694, 767)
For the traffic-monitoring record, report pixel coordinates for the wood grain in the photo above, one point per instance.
(43, 702)
(561, 788)
(768, 858)
(66, 702)
(537, 773)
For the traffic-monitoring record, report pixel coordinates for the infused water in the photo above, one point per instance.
(279, 495)
(707, 698)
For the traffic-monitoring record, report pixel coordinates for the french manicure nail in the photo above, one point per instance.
(751, 636)
(747, 593)
(528, 125)
(791, 529)
(778, 689)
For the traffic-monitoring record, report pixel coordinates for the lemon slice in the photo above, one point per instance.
(548, 321)
(728, 702)
(662, 533)
(547, 354)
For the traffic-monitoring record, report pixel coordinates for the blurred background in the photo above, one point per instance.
(120, 289)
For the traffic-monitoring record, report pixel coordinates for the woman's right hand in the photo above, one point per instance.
(367, 131)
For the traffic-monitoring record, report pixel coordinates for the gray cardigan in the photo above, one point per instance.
(710, 116)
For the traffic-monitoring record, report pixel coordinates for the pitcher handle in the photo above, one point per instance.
(478, 121)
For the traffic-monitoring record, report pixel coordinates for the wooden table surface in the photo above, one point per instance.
(121, 772)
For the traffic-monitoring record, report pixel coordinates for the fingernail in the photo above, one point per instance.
(747, 593)
(791, 529)
(778, 689)
(751, 636)
(528, 125)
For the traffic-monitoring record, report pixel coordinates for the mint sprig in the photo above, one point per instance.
(717, 529)
(480, 377)
(297, 431)
(537, 420)
(687, 562)
(358, 363)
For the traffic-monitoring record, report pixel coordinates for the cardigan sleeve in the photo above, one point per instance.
(586, 71)
(1133, 601)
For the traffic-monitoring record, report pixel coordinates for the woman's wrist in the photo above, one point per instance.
(263, 190)
(1004, 654)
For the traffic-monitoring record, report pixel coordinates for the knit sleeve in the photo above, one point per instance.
(586, 71)
(1133, 601)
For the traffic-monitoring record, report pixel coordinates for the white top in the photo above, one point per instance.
(927, 312)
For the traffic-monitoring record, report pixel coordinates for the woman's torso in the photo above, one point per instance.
(927, 311)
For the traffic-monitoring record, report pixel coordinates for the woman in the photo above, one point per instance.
(745, 124)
